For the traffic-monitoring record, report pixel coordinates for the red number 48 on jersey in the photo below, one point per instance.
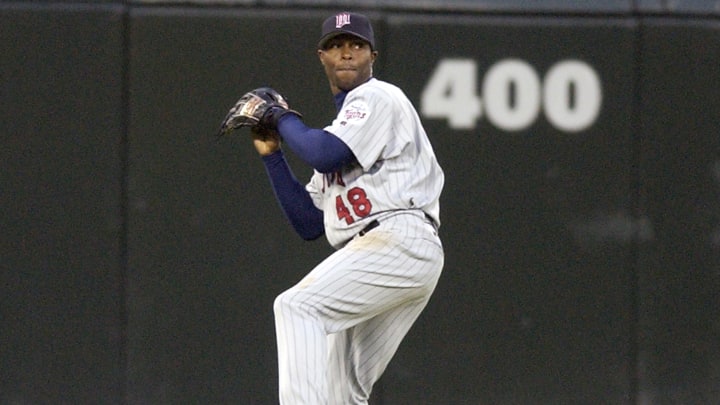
(358, 201)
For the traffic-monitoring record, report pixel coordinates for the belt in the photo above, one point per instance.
(375, 223)
(372, 225)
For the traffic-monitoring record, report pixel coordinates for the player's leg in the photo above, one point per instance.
(302, 315)
(397, 263)
(359, 356)
(339, 367)
(302, 352)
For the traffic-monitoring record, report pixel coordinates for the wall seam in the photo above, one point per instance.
(637, 208)
(124, 203)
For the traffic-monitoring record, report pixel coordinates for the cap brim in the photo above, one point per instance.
(333, 34)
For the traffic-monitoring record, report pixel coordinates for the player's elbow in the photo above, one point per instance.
(330, 155)
(310, 226)
(310, 234)
(327, 167)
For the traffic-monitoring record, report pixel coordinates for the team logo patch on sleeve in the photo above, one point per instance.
(355, 113)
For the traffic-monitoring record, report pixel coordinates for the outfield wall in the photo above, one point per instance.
(141, 256)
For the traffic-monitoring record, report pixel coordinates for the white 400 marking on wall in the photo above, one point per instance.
(513, 95)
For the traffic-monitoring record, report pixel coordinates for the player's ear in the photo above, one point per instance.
(320, 55)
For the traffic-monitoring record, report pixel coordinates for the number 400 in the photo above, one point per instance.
(570, 95)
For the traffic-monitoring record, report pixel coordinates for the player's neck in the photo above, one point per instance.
(339, 98)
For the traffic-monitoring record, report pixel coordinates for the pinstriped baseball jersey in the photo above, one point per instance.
(396, 167)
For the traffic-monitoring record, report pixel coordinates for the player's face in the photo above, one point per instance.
(348, 62)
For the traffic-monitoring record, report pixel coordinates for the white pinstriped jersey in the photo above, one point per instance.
(396, 168)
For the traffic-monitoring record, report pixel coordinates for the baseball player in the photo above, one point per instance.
(374, 194)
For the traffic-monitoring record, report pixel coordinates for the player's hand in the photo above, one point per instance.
(261, 107)
(266, 141)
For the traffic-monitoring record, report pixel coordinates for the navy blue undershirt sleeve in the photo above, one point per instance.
(318, 148)
(294, 199)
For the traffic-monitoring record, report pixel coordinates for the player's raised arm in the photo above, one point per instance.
(306, 219)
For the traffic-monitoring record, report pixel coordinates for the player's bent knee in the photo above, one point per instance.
(291, 302)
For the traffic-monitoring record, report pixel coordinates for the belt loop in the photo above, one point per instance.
(431, 220)
(372, 225)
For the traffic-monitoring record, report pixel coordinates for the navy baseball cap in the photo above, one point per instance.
(347, 23)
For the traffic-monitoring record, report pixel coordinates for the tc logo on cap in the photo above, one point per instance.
(342, 20)
(346, 23)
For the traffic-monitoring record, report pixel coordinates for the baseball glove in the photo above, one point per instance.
(261, 108)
